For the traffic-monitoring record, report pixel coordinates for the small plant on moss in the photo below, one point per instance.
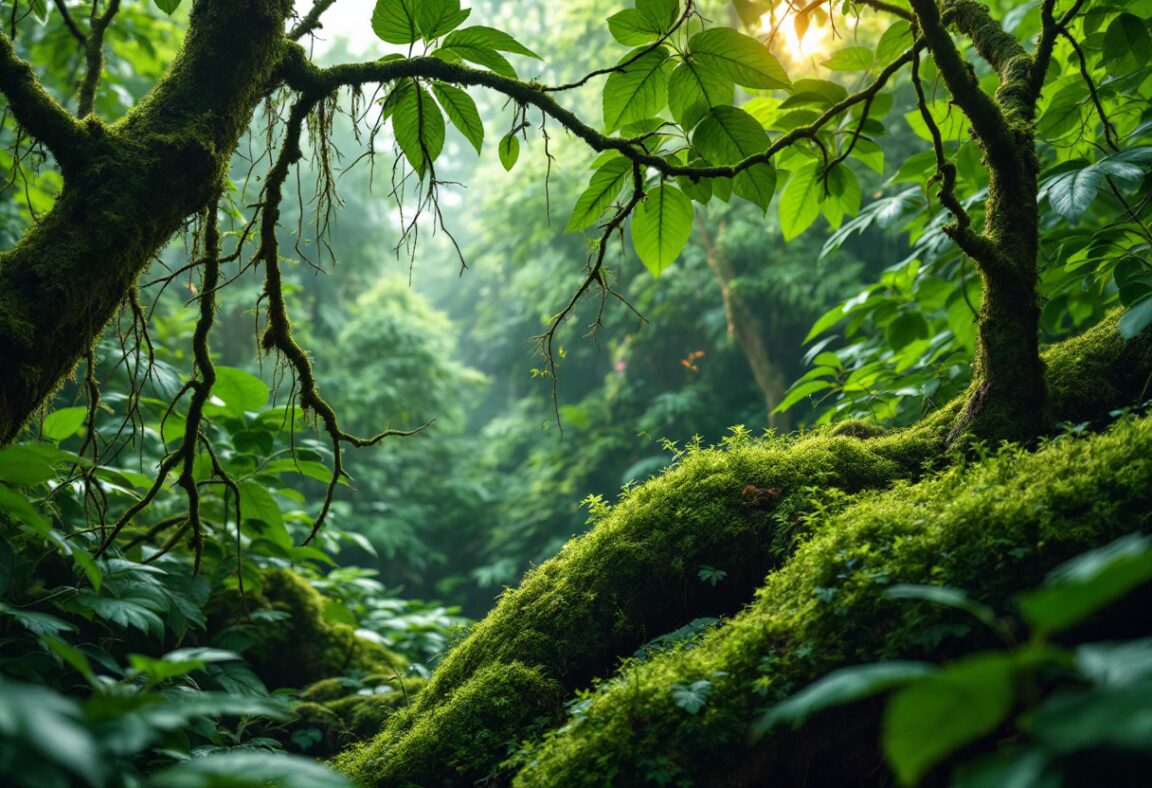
(1063, 703)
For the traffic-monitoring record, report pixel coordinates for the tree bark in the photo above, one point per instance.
(127, 188)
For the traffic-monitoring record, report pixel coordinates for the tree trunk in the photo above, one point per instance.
(127, 189)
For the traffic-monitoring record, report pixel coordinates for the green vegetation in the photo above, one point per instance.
(368, 383)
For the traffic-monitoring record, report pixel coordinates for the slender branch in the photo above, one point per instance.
(41, 115)
(94, 57)
(315, 83)
(1110, 136)
(311, 21)
(986, 117)
(1050, 28)
(70, 23)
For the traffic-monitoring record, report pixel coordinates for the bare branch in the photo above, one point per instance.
(41, 115)
(70, 23)
(94, 57)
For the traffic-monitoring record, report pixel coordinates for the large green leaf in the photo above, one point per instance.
(661, 226)
(693, 88)
(1127, 41)
(250, 769)
(932, 718)
(1087, 583)
(632, 28)
(394, 21)
(953, 124)
(728, 135)
(603, 188)
(168, 6)
(841, 687)
(241, 391)
(800, 201)
(434, 18)
(895, 40)
(844, 194)
(850, 59)
(64, 423)
(461, 110)
(487, 38)
(661, 14)
(741, 58)
(638, 91)
(419, 129)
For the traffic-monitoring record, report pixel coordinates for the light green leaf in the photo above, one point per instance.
(603, 188)
(256, 503)
(461, 110)
(800, 201)
(22, 465)
(434, 18)
(394, 21)
(487, 38)
(661, 14)
(419, 128)
(40, 10)
(1064, 112)
(693, 88)
(481, 56)
(1087, 583)
(802, 391)
(843, 196)
(241, 391)
(693, 697)
(896, 40)
(743, 59)
(728, 135)
(632, 28)
(839, 688)
(64, 423)
(937, 715)
(953, 124)
(638, 91)
(661, 226)
(509, 151)
(850, 59)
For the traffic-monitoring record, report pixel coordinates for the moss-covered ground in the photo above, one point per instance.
(831, 520)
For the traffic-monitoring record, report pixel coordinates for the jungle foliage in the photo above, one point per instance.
(293, 339)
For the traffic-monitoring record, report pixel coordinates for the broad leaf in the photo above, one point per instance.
(693, 697)
(509, 151)
(64, 423)
(419, 129)
(897, 38)
(168, 6)
(934, 717)
(487, 38)
(800, 201)
(434, 18)
(241, 391)
(850, 59)
(632, 28)
(394, 21)
(603, 188)
(661, 226)
(638, 91)
(461, 110)
(743, 59)
(693, 88)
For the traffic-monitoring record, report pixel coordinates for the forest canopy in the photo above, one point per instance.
(606, 392)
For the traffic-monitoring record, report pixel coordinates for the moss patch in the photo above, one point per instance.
(304, 648)
(993, 528)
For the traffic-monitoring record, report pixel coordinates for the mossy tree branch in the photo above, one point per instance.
(94, 55)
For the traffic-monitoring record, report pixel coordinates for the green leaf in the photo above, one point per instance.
(394, 21)
(932, 718)
(661, 14)
(509, 151)
(896, 39)
(943, 595)
(461, 110)
(168, 6)
(40, 10)
(850, 59)
(695, 87)
(839, 688)
(797, 393)
(743, 59)
(419, 128)
(953, 124)
(1127, 39)
(1136, 318)
(661, 226)
(22, 465)
(728, 135)
(481, 56)
(800, 201)
(434, 18)
(694, 697)
(487, 38)
(632, 28)
(256, 503)
(1064, 112)
(241, 391)
(1087, 583)
(64, 423)
(1117, 664)
(906, 329)
(250, 769)
(638, 91)
(843, 196)
(338, 613)
(603, 188)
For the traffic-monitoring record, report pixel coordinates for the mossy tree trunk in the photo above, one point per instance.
(127, 188)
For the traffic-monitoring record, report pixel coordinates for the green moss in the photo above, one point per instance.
(1098, 371)
(459, 742)
(993, 528)
(305, 648)
(346, 712)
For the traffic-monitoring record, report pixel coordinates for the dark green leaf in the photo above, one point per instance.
(419, 128)
(1136, 318)
(168, 6)
(394, 21)
(461, 110)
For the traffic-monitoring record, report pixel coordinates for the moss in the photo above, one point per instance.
(1099, 371)
(346, 712)
(456, 743)
(305, 648)
(993, 528)
(636, 576)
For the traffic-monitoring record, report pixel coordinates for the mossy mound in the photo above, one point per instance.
(993, 528)
(346, 712)
(304, 648)
(741, 509)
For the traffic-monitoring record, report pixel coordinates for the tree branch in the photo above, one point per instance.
(41, 115)
(311, 21)
(70, 23)
(94, 57)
